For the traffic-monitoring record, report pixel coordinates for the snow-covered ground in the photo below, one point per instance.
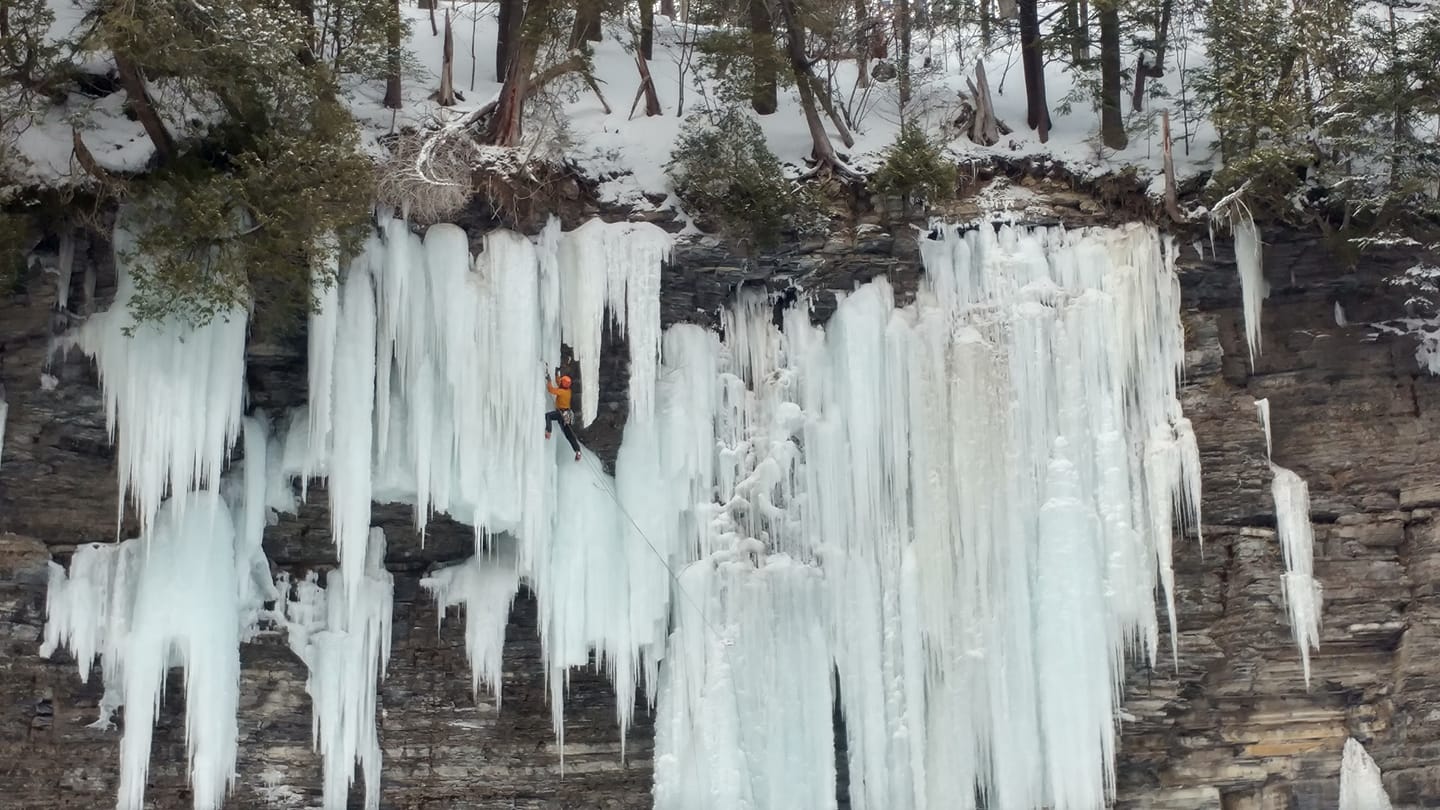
(629, 154)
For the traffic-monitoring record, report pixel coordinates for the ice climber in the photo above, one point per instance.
(562, 412)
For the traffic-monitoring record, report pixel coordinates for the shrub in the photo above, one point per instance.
(915, 167)
(727, 175)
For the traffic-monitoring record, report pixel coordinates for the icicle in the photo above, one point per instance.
(352, 426)
(1303, 593)
(486, 587)
(616, 267)
(173, 393)
(1262, 407)
(324, 326)
(1340, 315)
(251, 514)
(1360, 784)
(1253, 287)
(65, 269)
(143, 605)
(345, 644)
(1301, 590)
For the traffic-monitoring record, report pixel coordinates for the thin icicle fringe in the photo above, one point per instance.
(614, 268)
(435, 364)
(344, 642)
(485, 586)
(174, 394)
(141, 605)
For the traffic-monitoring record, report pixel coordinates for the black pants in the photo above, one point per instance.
(557, 416)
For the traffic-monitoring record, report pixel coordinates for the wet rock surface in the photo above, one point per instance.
(1229, 725)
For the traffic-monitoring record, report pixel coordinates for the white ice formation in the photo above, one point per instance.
(1302, 591)
(174, 393)
(949, 517)
(1360, 784)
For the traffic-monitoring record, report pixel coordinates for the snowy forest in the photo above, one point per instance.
(873, 506)
(222, 118)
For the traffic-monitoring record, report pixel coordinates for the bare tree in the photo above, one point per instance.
(507, 37)
(1112, 123)
(144, 108)
(647, 28)
(762, 48)
(446, 95)
(1032, 55)
(393, 99)
(1153, 65)
(587, 23)
(822, 151)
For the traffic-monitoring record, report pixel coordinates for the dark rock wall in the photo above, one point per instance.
(1231, 726)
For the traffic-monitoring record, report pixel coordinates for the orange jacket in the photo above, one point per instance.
(562, 396)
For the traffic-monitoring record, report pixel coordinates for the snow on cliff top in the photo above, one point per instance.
(629, 154)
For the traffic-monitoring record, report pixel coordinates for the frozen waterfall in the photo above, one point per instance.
(950, 516)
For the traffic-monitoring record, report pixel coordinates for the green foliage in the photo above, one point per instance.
(1274, 174)
(271, 166)
(1249, 86)
(731, 180)
(915, 166)
(734, 60)
(212, 240)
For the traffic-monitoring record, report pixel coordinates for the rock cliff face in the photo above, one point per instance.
(1230, 725)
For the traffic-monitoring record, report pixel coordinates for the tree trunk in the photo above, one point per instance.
(762, 49)
(587, 23)
(862, 44)
(821, 148)
(392, 78)
(1032, 55)
(1112, 122)
(647, 89)
(647, 28)
(507, 35)
(985, 12)
(902, 60)
(1154, 68)
(667, 8)
(505, 125)
(134, 84)
(447, 67)
(984, 128)
(307, 54)
(1172, 197)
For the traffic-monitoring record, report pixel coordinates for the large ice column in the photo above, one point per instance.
(615, 268)
(170, 598)
(988, 479)
(459, 371)
(1303, 593)
(345, 644)
(173, 393)
(485, 586)
(350, 482)
(745, 712)
(249, 498)
(1360, 785)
